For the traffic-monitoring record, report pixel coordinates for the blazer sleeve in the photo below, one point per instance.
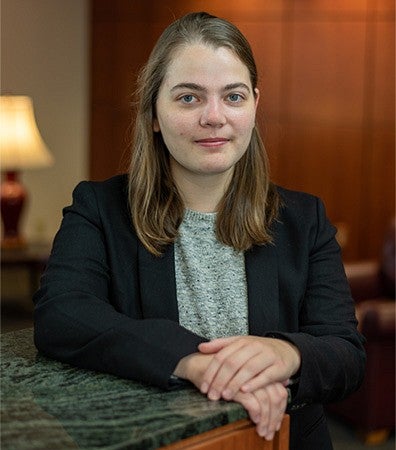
(332, 351)
(76, 320)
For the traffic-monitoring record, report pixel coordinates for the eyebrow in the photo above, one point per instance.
(199, 88)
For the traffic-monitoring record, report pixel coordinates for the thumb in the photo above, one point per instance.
(215, 345)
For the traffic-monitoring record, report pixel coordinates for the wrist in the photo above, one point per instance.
(296, 358)
(182, 367)
(192, 367)
(189, 367)
(293, 353)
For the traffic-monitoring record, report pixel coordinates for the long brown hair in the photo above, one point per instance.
(250, 203)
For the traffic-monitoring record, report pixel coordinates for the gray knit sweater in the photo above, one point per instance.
(210, 280)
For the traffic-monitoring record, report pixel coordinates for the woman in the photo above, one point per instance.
(195, 266)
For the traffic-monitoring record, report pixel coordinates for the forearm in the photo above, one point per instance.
(91, 334)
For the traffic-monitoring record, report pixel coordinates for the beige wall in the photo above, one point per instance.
(44, 54)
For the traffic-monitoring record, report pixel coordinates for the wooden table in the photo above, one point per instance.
(240, 435)
(32, 258)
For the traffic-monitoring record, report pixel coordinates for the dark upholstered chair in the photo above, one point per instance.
(372, 408)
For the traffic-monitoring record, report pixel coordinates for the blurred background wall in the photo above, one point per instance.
(327, 96)
(45, 55)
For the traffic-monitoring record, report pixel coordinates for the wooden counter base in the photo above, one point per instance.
(240, 435)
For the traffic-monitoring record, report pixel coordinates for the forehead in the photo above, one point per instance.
(204, 64)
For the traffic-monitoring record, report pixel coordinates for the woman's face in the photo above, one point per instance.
(205, 111)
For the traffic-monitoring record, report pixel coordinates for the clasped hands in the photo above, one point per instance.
(251, 370)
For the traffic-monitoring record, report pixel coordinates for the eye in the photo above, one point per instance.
(188, 98)
(235, 98)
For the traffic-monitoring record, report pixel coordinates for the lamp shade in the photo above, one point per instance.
(21, 145)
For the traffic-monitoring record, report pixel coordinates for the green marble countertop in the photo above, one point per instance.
(48, 405)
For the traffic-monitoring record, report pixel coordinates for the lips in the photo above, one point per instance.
(212, 142)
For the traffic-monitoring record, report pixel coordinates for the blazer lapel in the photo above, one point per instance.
(263, 294)
(158, 284)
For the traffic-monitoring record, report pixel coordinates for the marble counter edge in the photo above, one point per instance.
(24, 368)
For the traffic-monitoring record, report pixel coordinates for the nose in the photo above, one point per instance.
(213, 114)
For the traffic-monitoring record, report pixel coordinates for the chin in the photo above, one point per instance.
(215, 170)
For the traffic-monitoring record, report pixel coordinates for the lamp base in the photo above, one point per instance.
(13, 242)
(13, 197)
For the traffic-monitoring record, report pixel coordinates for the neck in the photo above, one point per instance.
(203, 192)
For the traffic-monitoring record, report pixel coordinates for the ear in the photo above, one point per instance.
(156, 127)
(256, 97)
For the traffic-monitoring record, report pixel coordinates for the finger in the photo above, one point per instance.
(248, 373)
(277, 405)
(282, 408)
(272, 374)
(264, 401)
(216, 345)
(209, 376)
(208, 385)
(251, 404)
(231, 360)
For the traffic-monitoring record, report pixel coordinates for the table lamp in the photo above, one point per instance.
(21, 147)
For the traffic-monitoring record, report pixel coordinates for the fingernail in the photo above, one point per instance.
(262, 431)
(213, 395)
(227, 394)
(204, 388)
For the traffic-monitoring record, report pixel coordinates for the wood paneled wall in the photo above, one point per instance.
(327, 96)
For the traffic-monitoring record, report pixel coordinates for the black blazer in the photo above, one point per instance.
(107, 304)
